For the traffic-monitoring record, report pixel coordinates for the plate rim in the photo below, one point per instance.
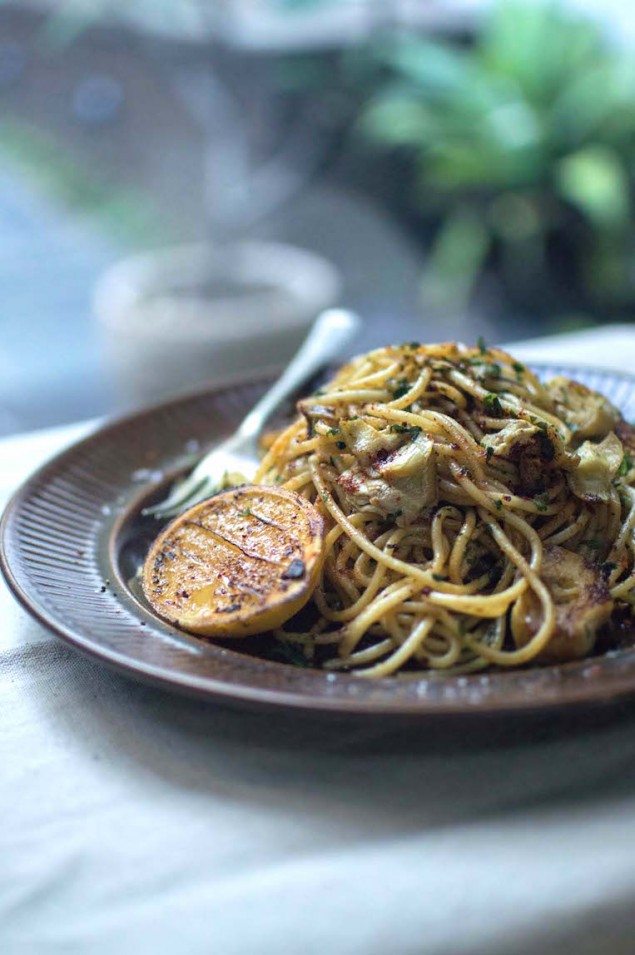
(584, 694)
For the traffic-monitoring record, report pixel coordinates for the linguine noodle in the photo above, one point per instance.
(476, 516)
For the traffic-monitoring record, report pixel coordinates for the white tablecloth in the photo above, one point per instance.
(133, 821)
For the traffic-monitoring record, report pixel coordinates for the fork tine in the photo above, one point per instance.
(180, 494)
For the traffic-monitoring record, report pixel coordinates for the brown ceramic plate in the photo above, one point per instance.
(73, 536)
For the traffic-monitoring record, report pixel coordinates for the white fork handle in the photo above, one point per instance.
(330, 334)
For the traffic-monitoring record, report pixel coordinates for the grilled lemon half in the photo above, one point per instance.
(240, 563)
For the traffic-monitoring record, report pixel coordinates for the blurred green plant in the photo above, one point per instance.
(124, 213)
(521, 147)
(516, 151)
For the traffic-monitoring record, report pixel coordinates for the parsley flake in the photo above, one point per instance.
(492, 405)
(402, 388)
(592, 543)
(412, 430)
(288, 653)
(492, 370)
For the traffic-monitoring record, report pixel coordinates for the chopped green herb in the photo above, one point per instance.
(626, 465)
(489, 451)
(439, 577)
(412, 345)
(518, 368)
(542, 501)
(499, 504)
(492, 369)
(412, 430)
(493, 405)
(592, 543)
(289, 653)
(539, 423)
(246, 512)
(400, 392)
(402, 388)
(333, 431)
(482, 346)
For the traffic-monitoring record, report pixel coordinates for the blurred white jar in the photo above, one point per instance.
(173, 318)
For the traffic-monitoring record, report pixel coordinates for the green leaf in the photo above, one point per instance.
(594, 181)
(538, 46)
(456, 258)
(437, 69)
(397, 119)
(596, 104)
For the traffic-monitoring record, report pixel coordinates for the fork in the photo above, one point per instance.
(329, 335)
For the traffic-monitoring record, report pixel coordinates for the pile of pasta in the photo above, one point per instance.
(476, 515)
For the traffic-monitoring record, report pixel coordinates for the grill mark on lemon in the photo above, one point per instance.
(232, 543)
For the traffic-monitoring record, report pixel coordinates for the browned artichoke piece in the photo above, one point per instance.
(582, 604)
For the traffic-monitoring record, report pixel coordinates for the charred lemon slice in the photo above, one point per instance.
(241, 563)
